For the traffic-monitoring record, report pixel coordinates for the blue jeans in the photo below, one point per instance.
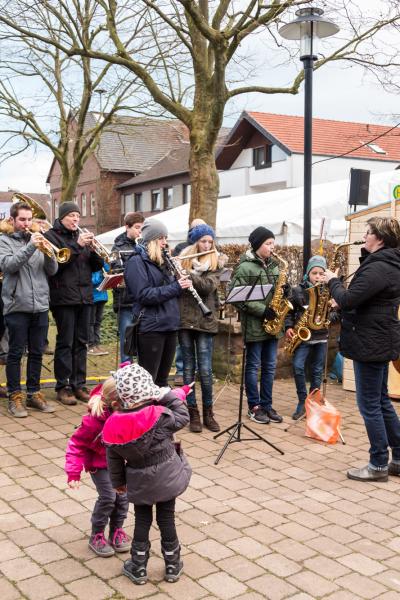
(124, 319)
(178, 361)
(260, 354)
(316, 354)
(200, 344)
(25, 330)
(380, 418)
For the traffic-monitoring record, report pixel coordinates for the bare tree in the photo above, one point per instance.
(199, 52)
(46, 96)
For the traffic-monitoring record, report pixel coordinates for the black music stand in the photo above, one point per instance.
(238, 294)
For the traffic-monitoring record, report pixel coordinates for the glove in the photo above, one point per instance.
(286, 290)
(269, 314)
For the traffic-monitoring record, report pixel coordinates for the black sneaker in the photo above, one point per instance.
(258, 415)
(273, 416)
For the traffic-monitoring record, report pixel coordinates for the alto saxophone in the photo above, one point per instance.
(319, 296)
(301, 333)
(279, 304)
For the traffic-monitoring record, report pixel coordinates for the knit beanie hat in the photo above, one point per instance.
(67, 207)
(316, 261)
(152, 230)
(258, 237)
(134, 384)
(200, 231)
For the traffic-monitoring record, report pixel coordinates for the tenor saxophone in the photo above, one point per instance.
(301, 333)
(279, 304)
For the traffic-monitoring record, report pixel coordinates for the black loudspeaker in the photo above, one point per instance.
(359, 187)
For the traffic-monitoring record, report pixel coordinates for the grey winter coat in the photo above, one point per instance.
(141, 453)
(25, 270)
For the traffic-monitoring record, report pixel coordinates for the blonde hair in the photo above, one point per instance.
(154, 251)
(386, 229)
(211, 258)
(105, 397)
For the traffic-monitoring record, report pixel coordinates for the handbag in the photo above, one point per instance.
(323, 419)
(131, 337)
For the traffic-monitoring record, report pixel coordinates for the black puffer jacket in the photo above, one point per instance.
(370, 324)
(141, 452)
(72, 284)
(127, 248)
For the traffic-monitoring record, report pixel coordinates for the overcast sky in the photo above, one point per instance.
(339, 93)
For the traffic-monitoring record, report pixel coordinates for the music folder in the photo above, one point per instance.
(111, 281)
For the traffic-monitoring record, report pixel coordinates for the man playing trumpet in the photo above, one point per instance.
(25, 295)
(71, 298)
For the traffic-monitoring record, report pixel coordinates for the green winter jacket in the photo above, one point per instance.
(252, 313)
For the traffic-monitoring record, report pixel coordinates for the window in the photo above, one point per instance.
(187, 193)
(155, 200)
(168, 198)
(83, 208)
(92, 204)
(128, 203)
(262, 157)
(56, 207)
(138, 202)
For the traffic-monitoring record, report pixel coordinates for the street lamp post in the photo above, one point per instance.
(308, 27)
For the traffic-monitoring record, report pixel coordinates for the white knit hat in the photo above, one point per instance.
(134, 384)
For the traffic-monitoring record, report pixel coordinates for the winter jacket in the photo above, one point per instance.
(300, 299)
(206, 285)
(126, 247)
(25, 271)
(141, 453)
(85, 448)
(154, 291)
(249, 269)
(369, 308)
(73, 282)
(97, 278)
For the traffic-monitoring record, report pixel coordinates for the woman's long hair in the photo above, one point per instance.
(154, 252)
(211, 259)
(104, 398)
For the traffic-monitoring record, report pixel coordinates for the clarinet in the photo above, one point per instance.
(176, 270)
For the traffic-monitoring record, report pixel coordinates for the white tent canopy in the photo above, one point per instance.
(281, 211)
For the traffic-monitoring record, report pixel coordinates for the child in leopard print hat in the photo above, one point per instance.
(143, 460)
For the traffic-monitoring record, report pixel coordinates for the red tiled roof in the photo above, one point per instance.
(332, 138)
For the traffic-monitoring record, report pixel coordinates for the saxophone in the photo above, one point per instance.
(319, 296)
(301, 333)
(279, 304)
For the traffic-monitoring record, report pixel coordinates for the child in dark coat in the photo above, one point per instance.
(143, 459)
(314, 350)
(85, 450)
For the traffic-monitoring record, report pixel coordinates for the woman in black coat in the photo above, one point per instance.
(154, 293)
(370, 336)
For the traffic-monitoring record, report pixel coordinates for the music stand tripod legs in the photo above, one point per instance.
(240, 294)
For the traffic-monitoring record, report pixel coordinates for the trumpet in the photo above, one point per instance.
(62, 255)
(97, 246)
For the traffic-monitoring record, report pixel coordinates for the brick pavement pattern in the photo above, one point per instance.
(258, 525)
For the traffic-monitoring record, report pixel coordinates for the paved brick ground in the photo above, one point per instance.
(258, 525)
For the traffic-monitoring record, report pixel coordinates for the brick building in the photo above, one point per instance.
(127, 148)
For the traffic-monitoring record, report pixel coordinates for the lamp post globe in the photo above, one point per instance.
(308, 27)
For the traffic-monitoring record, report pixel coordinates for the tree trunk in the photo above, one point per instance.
(204, 182)
(69, 182)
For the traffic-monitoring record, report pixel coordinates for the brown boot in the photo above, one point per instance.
(82, 394)
(38, 401)
(208, 419)
(66, 396)
(195, 423)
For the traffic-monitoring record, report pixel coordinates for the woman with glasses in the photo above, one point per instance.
(154, 293)
(370, 336)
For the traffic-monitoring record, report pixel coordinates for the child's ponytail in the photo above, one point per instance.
(102, 396)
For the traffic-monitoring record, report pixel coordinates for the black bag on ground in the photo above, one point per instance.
(131, 337)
